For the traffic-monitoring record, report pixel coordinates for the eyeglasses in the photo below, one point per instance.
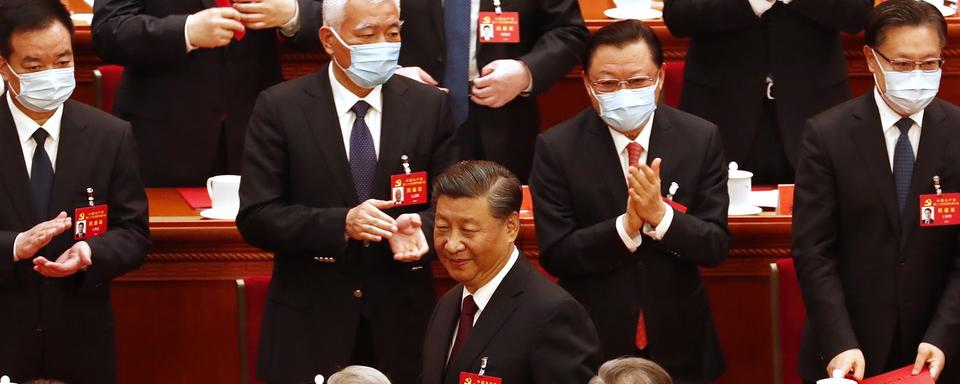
(613, 85)
(900, 65)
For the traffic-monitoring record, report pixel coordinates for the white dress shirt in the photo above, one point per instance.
(761, 6)
(25, 129)
(620, 141)
(888, 121)
(483, 294)
(344, 100)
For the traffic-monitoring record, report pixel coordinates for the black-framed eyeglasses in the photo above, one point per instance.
(903, 65)
(613, 85)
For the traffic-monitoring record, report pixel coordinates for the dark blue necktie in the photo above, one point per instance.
(41, 176)
(363, 155)
(903, 162)
(456, 23)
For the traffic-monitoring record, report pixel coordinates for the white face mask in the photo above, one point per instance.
(370, 64)
(627, 109)
(910, 92)
(45, 91)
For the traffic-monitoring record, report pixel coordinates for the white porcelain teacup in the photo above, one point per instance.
(224, 191)
(632, 4)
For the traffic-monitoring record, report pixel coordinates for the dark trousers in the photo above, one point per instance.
(767, 158)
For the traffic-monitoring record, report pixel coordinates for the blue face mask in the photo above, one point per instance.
(46, 90)
(370, 64)
(627, 109)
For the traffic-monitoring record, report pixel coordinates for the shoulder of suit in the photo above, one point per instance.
(546, 294)
(948, 107)
(95, 118)
(836, 118)
(687, 123)
(571, 127)
(416, 88)
(293, 86)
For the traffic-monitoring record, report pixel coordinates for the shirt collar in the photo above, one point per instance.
(26, 126)
(889, 117)
(620, 141)
(344, 99)
(483, 294)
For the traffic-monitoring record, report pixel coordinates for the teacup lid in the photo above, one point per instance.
(318, 379)
(5, 380)
(735, 173)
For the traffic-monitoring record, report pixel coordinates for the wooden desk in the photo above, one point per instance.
(176, 316)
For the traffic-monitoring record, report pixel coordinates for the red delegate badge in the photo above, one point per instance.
(409, 189)
(938, 210)
(473, 378)
(238, 35)
(90, 222)
(503, 27)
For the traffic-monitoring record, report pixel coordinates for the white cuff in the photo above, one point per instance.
(293, 25)
(15, 241)
(761, 6)
(186, 36)
(785, 1)
(631, 242)
(526, 92)
(661, 230)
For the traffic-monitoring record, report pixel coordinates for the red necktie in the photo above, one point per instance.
(633, 153)
(467, 311)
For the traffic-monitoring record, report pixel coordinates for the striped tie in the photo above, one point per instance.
(903, 161)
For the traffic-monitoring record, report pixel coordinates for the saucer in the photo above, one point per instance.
(744, 210)
(82, 18)
(945, 10)
(219, 214)
(636, 14)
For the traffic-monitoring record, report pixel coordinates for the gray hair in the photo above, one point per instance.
(358, 374)
(333, 11)
(631, 370)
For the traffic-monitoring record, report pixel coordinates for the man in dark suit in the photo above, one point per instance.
(603, 225)
(505, 319)
(349, 285)
(60, 162)
(492, 85)
(759, 68)
(881, 291)
(189, 85)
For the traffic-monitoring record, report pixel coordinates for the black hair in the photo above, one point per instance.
(29, 15)
(899, 13)
(476, 178)
(619, 35)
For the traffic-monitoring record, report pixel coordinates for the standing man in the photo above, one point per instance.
(605, 229)
(493, 83)
(192, 72)
(324, 151)
(759, 68)
(61, 162)
(505, 319)
(882, 288)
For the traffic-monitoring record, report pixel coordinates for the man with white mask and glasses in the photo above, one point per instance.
(62, 163)
(630, 199)
(352, 284)
(881, 284)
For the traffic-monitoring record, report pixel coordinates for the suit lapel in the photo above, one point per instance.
(598, 145)
(436, 10)
(394, 132)
(321, 115)
(933, 140)
(14, 172)
(660, 141)
(869, 141)
(435, 352)
(71, 152)
(501, 306)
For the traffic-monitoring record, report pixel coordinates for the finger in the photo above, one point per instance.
(40, 260)
(228, 13)
(381, 204)
(920, 361)
(656, 166)
(376, 231)
(445, 90)
(426, 78)
(252, 17)
(482, 82)
(380, 220)
(258, 25)
(489, 68)
(483, 92)
(368, 237)
(231, 25)
(936, 366)
(858, 369)
(488, 102)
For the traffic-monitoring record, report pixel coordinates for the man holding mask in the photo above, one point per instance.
(630, 200)
(350, 285)
(881, 287)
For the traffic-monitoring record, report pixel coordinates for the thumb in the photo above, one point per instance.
(919, 362)
(656, 166)
(381, 204)
(62, 215)
(858, 369)
(427, 78)
(489, 68)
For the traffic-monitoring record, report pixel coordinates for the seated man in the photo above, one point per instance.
(357, 374)
(61, 162)
(604, 226)
(505, 319)
(631, 370)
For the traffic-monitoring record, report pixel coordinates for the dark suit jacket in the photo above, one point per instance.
(188, 109)
(579, 191)
(864, 268)
(531, 331)
(63, 327)
(732, 51)
(552, 40)
(295, 194)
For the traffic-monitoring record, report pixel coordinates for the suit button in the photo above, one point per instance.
(439, 59)
(358, 293)
(366, 243)
(39, 330)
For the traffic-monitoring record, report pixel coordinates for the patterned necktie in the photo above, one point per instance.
(456, 23)
(467, 311)
(903, 162)
(633, 159)
(41, 176)
(363, 155)
(633, 154)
